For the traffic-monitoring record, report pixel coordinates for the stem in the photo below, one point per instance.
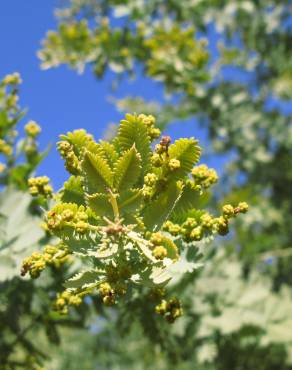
(114, 204)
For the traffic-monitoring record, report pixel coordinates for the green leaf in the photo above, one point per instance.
(19, 231)
(178, 269)
(109, 152)
(142, 244)
(83, 245)
(160, 209)
(72, 191)
(105, 150)
(79, 139)
(187, 151)
(160, 276)
(82, 278)
(189, 199)
(130, 201)
(127, 169)
(174, 272)
(97, 173)
(100, 204)
(133, 131)
(105, 251)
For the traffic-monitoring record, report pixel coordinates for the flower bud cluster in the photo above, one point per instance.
(195, 228)
(170, 310)
(71, 160)
(74, 37)
(32, 129)
(150, 181)
(20, 154)
(241, 208)
(192, 229)
(204, 176)
(115, 284)
(172, 228)
(9, 88)
(156, 160)
(159, 252)
(68, 214)
(65, 299)
(159, 158)
(174, 164)
(37, 262)
(39, 186)
(148, 192)
(222, 225)
(229, 212)
(5, 148)
(118, 274)
(149, 121)
(12, 79)
(167, 44)
(107, 294)
(163, 146)
(163, 247)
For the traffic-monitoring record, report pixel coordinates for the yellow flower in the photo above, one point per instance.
(32, 129)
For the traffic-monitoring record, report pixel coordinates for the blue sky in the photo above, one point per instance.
(60, 100)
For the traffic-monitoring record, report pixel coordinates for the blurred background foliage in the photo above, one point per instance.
(227, 64)
(26, 314)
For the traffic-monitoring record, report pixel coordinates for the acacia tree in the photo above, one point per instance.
(131, 216)
(241, 118)
(126, 224)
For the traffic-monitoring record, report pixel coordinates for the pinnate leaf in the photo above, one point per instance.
(187, 151)
(97, 173)
(160, 209)
(82, 279)
(133, 131)
(100, 204)
(127, 169)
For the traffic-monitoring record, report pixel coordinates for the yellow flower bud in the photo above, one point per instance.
(81, 227)
(12, 79)
(174, 164)
(159, 252)
(228, 210)
(32, 129)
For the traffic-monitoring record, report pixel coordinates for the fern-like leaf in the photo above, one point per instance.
(160, 209)
(97, 173)
(72, 191)
(100, 204)
(187, 151)
(130, 201)
(79, 139)
(109, 152)
(133, 131)
(127, 169)
(188, 200)
(83, 279)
